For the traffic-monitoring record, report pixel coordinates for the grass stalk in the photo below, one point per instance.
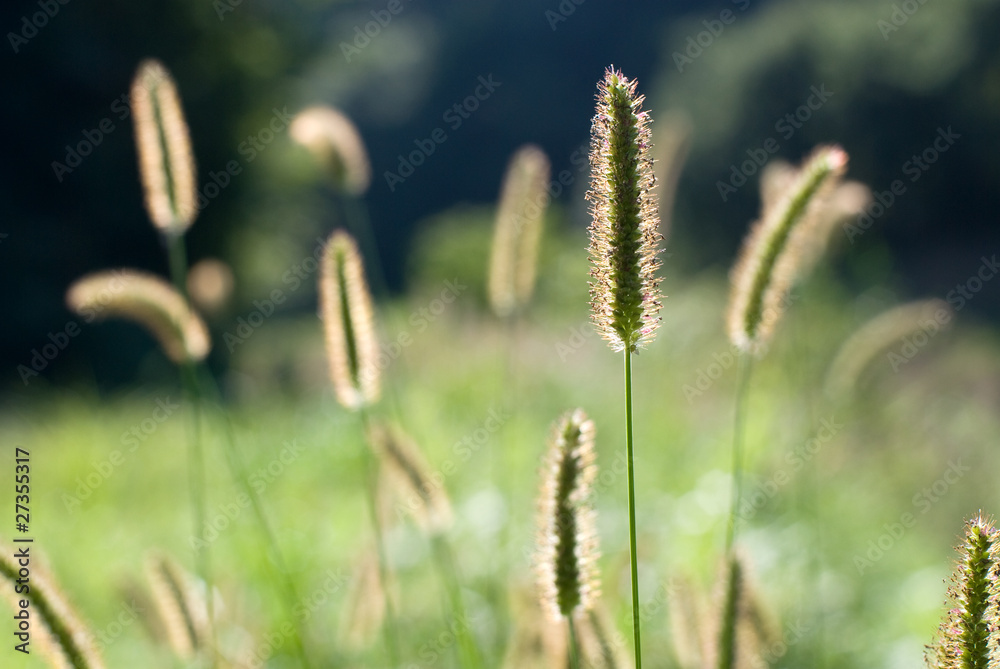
(745, 367)
(389, 629)
(468, 652)
(574, 645)
(633, 558)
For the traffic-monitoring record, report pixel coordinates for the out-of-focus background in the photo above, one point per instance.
(910, 89)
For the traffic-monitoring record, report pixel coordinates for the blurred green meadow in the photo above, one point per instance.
(848, 578)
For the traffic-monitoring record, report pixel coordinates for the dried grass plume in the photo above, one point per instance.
(568, 548)
(349, 323)
(514, 255)
(778, 246)
(335, 141)
(166, 161)
(147, 300)
(624, 236)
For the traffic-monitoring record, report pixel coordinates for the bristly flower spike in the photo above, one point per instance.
(776, 247)
(349, 322)
(166, 161)
(518, 230)
(148, 300)
(624, 237)
(969, 636)
(568, 548)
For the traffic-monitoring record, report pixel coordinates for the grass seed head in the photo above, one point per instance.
(420, 493)
(514, 256)
(779, 245)
(148, 300)
(568, 547)
(349, 323)
(335, 141)
(166, 162)
(180, 605)
(968, 636)
(624, 237)
(56, 631)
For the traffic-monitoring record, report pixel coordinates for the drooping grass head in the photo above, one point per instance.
(623, 233)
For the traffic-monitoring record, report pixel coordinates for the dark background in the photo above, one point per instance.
(892, 91)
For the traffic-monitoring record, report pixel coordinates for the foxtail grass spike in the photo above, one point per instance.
(518, 229)
(166, 162)
(742, 627)
(968, 637)
(771, 257)
(624, 237)
(349, 322)
(147, 300)
(418, 492)
(56, 630)
(888, 329)
(568, 548)
(181, 607)
(688, 628)
(335, 141)
(365, 608)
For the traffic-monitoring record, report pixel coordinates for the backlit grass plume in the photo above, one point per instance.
(514, 257)
(624, 232)
(418, 492)
(337, 144)
(147, 300)
(180, 605)
(624, 238)
(166, 162)
(567, 569)
(772, 252)
(891, 328)
(968, 636)
(742, 631)
(56, 630)
(349, 323)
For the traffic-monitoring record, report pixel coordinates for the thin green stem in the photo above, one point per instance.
(633, 559)
(739, 420)
(196, 459)
(286, 590)
(574, 645)
(389, 629)
(449, 575)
